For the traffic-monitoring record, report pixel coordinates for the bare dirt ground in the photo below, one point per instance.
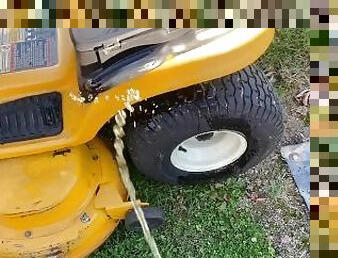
(274, 198)
(271, 192)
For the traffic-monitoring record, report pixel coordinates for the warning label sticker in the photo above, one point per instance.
(22, 49)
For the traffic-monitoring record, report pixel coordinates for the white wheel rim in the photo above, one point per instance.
(209, 151)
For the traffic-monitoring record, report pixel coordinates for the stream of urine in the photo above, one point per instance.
(120, 119)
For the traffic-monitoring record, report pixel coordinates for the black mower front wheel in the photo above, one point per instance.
(214, 129)
(154, 217)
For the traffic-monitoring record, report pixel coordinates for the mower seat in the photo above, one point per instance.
(100, 45)
(88, 39)
(108, 57)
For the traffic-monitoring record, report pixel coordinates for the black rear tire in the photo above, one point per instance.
(243, 102)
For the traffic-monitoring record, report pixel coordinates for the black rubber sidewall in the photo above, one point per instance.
(221, 106)
(257, 136)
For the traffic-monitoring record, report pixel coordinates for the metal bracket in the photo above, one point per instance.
(109, 199)
(111, 48)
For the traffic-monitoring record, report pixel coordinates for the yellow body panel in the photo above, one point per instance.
(221, 57)
(53, 219)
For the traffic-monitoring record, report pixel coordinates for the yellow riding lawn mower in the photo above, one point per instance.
(202, 111)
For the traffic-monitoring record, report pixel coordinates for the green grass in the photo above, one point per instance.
(201, 221)
(288, 60)
(208, 220)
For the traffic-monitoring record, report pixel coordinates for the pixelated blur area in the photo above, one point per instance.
(324, 128)
(155, 13)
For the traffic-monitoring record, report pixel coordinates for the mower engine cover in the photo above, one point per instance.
(99, 45)
(226, 53)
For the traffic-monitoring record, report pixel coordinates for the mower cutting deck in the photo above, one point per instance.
(61, 202)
